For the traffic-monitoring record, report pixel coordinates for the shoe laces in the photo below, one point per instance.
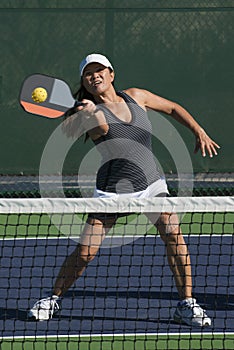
(191, 304)
(43, 303)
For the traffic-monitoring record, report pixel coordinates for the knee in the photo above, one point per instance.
(87, 255)
(171, 239)
(86, 258)
(171, 234)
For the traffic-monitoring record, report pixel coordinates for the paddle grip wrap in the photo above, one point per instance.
(78, 103)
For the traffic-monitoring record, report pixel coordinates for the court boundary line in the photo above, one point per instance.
(118, 335)
(127, 236)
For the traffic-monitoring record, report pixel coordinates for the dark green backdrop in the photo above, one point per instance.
(182, 50)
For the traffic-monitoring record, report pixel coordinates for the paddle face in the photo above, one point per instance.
(46, 96)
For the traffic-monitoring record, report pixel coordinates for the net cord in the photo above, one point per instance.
(116, 205)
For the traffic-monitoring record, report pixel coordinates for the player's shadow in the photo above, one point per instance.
(10, 313)
(117, 318)
(210, 301)
(215, 302)
(15, 314)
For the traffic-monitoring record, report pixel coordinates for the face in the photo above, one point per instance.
(97, 78)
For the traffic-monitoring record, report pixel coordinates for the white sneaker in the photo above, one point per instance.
(44, 309)
(190, 313)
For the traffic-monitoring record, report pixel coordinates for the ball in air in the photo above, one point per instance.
(39, 94)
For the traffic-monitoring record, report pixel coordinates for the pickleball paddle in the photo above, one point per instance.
(46, 96)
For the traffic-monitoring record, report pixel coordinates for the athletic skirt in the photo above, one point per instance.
(156, 189)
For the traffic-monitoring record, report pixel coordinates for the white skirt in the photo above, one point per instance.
(153, 190)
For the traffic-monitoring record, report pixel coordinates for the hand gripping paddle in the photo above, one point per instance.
(46, 96)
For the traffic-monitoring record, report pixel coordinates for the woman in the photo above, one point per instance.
(110, 117)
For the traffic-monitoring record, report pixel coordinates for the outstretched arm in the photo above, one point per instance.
(160, 104)
(203, 141)
(86, 119)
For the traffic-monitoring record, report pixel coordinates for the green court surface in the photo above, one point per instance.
(43, 225)
(125, 342)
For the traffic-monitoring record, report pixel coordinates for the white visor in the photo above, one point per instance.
(94, 58)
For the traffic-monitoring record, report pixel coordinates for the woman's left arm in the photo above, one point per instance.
(203, 141)
(160, 104)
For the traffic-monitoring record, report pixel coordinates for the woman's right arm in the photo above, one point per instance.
(93, 119)
(87, 119)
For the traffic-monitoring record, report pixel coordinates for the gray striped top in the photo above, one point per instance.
(128, 164)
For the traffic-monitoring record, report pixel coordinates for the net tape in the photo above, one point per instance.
(116, 205)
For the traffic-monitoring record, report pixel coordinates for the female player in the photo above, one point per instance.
(118, 125)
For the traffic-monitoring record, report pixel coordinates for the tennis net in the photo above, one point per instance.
(126, 298)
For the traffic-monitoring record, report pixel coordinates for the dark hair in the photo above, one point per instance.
(79, 95)
(82, 93)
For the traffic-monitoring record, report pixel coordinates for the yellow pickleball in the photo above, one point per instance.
(39, 94)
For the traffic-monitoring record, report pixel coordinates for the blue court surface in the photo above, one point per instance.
(126, 289)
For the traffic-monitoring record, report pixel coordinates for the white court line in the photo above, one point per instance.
(111, 238)
(117, 335)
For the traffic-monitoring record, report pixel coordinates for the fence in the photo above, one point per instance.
(181, 50)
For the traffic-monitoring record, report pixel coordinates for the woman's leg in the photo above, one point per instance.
(72, 268)
(177, 251)
(74, 265)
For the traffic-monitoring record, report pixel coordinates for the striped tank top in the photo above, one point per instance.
(128, 164)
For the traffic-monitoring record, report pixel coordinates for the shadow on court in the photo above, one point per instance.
(9, 314)
(213, 302)
(209, 301)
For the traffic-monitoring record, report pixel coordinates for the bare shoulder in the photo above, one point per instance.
(139, 95)
(136, 93)
(149, 100)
